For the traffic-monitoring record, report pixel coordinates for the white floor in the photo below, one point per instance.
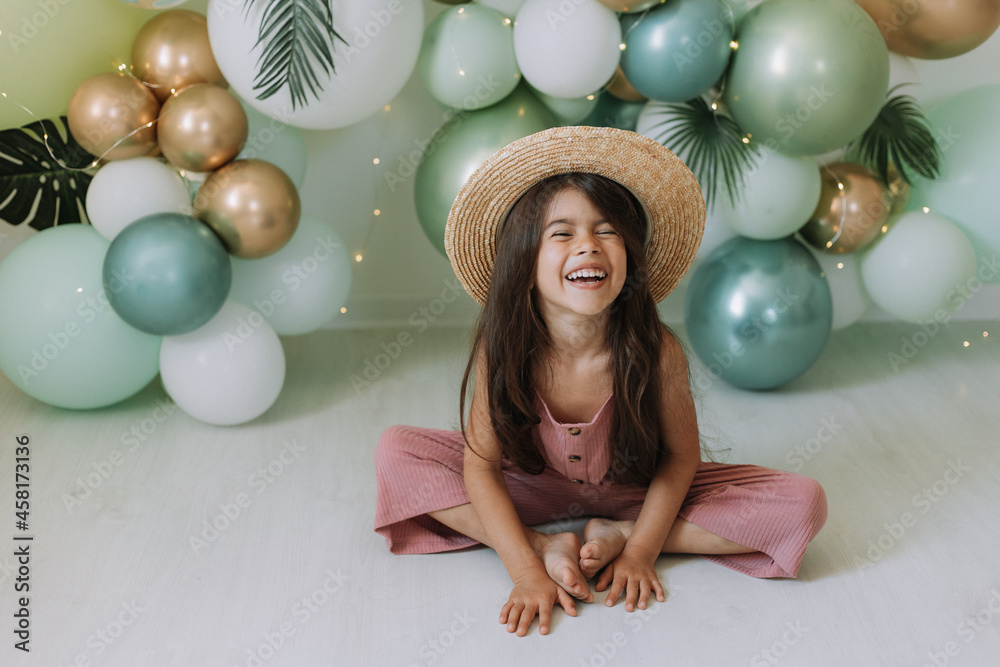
(126, 568)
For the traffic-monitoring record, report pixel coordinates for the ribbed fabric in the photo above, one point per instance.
(419, 470)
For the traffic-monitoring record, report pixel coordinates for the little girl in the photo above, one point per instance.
(581, 403)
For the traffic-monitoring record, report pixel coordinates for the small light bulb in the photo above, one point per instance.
(343, 310)
(375, 161)
(357, 258)
(378, 212)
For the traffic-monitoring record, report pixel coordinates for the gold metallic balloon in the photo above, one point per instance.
(622, 89)
(252, 205)
(202, 127)
(853, 206)
(172, 52)
(630, 6)
(899, 190)
(112, 107)
(934, 29)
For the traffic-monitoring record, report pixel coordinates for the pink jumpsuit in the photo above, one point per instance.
(419, 470)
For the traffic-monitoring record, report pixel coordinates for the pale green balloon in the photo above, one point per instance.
(568, 110)
(965, 127)
(273, 141)
(758, 313)
(808, 76)
(461, 145)
(60, 340)
(612, 111)
(467, 57)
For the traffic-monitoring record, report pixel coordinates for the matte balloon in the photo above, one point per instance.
(300, 287)
(809, 76)
(172, 52)
(677, 50)
(934, 28)
(112, 116)
(381, 40)
(758, 313)
(508, 8)
(123, 191)
(922, 269)
(228, 371)
(611, 111)
(567, 49)
(779, 194)
(467, 58)
(252, 205)
(202, 128)
(167, 274)
(461, 145)
(273, 141)
(852, 210)
(61, 343)
(843, 275)
(568, 111)
(965, 190)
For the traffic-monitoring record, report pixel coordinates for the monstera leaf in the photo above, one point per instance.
(38, 187)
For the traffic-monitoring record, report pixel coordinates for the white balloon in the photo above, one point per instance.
(122, 191)
(273, 141)
(843, 275)
(779, 196)
(567, 48)
(921, 269)
(717, 232)
(383, 41)
(228, 371)
(300, 287)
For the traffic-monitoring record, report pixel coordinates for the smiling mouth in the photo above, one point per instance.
(587, 276)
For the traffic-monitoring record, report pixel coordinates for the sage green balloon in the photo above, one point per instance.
(965, 127)
(758, 313)
(461, 145)
(612, 111)
(808, 76)
(60, 341)
(467, 57)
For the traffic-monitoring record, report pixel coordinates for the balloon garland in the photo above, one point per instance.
(192, 192)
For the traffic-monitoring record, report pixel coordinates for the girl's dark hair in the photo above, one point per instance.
(513, 337)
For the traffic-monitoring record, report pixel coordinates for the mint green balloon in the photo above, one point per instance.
(461, 145)
(467, 57)
(60, 341)
(808, 76)
(965, 191)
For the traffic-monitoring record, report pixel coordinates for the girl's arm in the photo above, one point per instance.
(633, 571)
(534, 591)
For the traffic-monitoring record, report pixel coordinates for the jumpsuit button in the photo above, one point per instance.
(574, 431)
(574, 458)
(578, 481)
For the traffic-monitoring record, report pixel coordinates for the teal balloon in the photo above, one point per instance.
(809, 76)
(461, 145)
(612, 111)
(677, 50)
(60, 341)
(965, 191)
(167, 274)
(467, 57)
(758, 313)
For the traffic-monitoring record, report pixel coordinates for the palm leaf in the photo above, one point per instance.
(899, 135)
(710, 143)
(298, 38)
(38, 187)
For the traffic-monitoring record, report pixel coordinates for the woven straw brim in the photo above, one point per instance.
(662, 182)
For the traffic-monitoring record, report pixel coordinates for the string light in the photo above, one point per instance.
(386, 107)
(357, 258)
(840, 265)
(378, 212)
(621, 47)
(734, 45)
(343, 310)
(375, 161)
(965, 344)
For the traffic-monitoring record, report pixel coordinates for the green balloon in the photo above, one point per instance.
(612, 111)
(467, 57)
(461, 145)
(758, 313)
(167, 274)
(965, 190)
(808, 76)
(60, 341)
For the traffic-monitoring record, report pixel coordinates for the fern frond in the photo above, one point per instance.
(899, 135)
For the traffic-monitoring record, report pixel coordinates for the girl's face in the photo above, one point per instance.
(581, 259)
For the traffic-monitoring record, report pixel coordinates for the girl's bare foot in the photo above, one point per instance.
(604, 540)
(560, 555)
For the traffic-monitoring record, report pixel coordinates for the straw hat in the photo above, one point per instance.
(667, 189)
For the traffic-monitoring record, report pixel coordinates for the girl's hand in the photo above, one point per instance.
(534, 593)
(633, 573)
